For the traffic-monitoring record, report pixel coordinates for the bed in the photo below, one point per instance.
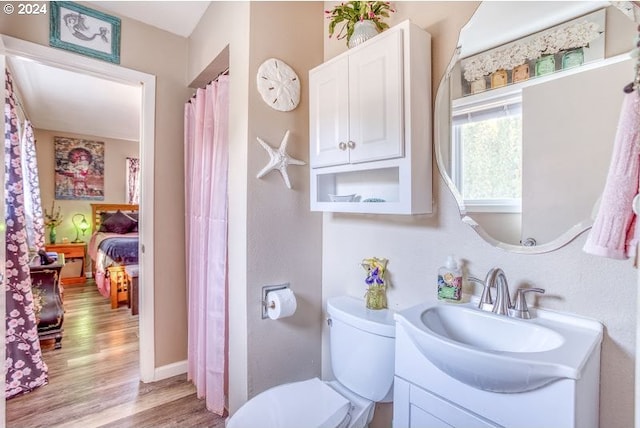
(113, 245)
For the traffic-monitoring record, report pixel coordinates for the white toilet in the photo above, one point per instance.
(362, 359)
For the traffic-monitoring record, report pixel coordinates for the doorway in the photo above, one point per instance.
(12, 47)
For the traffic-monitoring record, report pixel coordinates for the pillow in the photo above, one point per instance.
(133, 216)
(118, 223)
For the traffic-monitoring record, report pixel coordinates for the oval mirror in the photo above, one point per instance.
(525, 150)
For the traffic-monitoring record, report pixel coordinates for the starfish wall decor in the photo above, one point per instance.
(278, 159)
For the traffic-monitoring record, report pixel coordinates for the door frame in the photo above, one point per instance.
(13, 47)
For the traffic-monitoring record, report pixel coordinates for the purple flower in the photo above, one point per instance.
(374, 277)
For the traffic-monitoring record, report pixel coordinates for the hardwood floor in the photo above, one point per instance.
(94, 379)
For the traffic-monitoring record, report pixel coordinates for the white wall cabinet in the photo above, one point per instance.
(356, 105)
(370, 125)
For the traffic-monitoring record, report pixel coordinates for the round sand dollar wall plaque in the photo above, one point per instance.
(278, 84)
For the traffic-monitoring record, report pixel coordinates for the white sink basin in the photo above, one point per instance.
(491, 333)
(497, 353)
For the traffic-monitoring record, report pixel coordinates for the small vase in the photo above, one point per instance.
(52, 235)
(478, 85)
(520, 73)
(572, 58)
(362, 31)
(376, 297)
(545, 64)
(499, 78)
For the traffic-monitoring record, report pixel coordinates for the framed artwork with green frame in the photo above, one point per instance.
(78, 29)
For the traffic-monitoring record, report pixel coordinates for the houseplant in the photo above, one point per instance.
(346, 15)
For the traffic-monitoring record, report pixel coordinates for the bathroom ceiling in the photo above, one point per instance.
(177, 17)
(66, 101)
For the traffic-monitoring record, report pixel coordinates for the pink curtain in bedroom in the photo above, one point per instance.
(206, 165)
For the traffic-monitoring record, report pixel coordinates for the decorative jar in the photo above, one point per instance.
(572, 58)
(545, 64)
(520, 73)
(499, 78)
(376, 297)
(478, 85)
(362, 31)
(52, 235)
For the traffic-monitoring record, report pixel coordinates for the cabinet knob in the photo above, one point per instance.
(351, 144)
(342, 145)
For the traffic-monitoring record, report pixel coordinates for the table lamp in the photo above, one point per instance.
(82, 226)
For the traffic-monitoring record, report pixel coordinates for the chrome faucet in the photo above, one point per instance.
(496, 278)
(502, 305)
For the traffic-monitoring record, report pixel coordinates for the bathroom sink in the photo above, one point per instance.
(484, 331)
(498, 353)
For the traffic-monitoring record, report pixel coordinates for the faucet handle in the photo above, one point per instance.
(486, 302)
(520, 308)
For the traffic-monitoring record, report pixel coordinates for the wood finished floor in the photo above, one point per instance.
(94, 379)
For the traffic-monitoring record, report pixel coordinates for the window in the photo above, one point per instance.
(487, 154)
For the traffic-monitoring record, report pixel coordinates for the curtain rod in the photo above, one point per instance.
(224, 72)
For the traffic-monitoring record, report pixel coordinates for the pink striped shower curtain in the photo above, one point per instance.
(206, 165)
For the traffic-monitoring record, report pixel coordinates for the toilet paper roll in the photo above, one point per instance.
(281, 303)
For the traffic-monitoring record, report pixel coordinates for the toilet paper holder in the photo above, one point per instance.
(265, 291)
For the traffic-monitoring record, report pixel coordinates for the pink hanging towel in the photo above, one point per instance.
(614, 233)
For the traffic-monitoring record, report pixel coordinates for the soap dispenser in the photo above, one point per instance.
(450, 281)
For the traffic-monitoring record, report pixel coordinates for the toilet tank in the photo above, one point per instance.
(362, 344)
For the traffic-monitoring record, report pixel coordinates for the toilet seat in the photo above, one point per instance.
(309, 404)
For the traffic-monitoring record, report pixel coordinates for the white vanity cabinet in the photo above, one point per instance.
(370, 125)
(425, 396)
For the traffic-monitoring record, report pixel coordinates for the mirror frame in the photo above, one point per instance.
(442, 130)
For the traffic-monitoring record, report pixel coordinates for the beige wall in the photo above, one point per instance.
(164, 55)
(115, 154)
(273, 237)
(416, 246)
(285, 237)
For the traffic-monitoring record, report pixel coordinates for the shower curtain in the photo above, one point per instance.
(206, 166)
(24, 368)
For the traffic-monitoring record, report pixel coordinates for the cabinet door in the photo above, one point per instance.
(329, 114)
(430, 410)
(376, 118)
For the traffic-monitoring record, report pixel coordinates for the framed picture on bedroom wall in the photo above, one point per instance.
(79, 169)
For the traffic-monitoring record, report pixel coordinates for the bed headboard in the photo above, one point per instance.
(98, 209)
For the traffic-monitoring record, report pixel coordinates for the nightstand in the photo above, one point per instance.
(75, 256)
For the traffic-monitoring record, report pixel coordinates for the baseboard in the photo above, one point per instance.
(170, 370)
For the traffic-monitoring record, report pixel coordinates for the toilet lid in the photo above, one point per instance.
(308, 404)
